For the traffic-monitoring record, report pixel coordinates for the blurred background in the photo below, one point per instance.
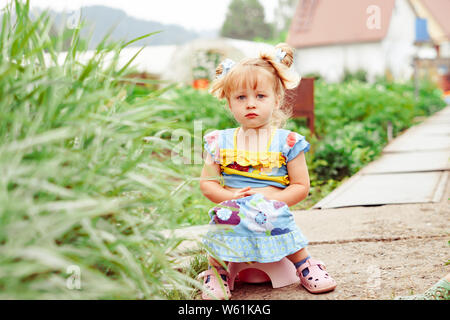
(398, 39)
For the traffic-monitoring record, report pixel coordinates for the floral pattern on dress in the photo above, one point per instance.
(261, 216)
(279, 231)
(291, 139)
(278, 204)
(227, 214)
(212, 140)
(260, 169)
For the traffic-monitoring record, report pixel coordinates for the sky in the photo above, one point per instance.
(195, 15)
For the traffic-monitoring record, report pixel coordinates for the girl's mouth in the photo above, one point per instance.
(251, 115)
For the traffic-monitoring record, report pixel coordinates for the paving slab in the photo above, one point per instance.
(379, 189)
(419, 161)
(410, 143)
(435, 127)
(431, 134)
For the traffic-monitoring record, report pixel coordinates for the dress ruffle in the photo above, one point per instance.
(251, 168)
(251, 158)
(259, 249)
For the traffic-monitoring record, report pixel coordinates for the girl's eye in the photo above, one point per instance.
(241, 97)
(260, 96)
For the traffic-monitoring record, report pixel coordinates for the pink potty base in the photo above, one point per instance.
(281, 273)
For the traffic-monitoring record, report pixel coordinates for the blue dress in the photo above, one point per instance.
(253, 228)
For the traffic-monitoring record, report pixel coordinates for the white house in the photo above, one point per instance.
(176, 63)
(377, 36)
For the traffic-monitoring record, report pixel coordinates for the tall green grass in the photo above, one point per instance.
(83, 194)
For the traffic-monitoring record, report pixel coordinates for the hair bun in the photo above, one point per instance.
(219, 70)
(289, 57)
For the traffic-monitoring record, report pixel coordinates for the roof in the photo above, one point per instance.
(439, 9)
(327, 22)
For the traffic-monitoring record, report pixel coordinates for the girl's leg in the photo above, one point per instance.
(218, 286)
(299, 256)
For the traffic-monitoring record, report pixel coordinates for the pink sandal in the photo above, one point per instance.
(317, 279)
(216, 288)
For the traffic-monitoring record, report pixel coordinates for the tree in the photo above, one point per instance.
(284, 14)
(245, 20)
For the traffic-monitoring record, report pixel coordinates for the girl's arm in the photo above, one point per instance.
(212, 188)
(298, 187)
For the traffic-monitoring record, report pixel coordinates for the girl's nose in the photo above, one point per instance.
(251, 103)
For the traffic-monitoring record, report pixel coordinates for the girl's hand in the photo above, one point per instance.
(244, 192)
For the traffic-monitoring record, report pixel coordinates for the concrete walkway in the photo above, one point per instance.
(394, 240)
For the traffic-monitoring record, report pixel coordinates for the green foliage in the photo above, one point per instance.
(198, 262)
(347, 150)
(213, 113)
(358, 75)
(81, 185)
(274, 40)
(204, 65)
(245, 20)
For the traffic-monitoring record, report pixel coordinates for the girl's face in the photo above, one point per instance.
(253, 106)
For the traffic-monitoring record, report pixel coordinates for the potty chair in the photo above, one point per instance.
(281, 273)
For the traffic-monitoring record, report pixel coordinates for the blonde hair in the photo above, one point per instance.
(244, 74)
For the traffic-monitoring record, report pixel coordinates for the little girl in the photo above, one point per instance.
(254, 173)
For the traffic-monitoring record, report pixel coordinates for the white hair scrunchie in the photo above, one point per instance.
(279, 55)
(227, 64)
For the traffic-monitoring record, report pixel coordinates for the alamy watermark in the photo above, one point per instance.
(73, 282)
(373, 284)
(373, 21)
(74, 17)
